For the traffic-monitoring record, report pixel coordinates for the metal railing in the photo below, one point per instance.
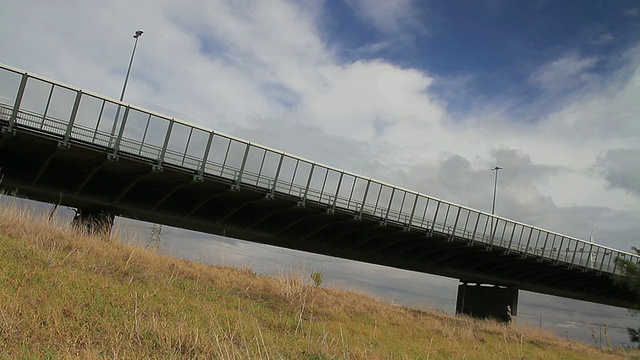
(70, 115)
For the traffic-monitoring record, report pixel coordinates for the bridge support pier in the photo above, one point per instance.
(94, 221)
(487, 301)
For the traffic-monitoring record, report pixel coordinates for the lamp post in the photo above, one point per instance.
(133, 53)
(493, 206)
(136, 36)
(495, 188)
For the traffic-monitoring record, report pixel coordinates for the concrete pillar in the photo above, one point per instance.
(94, 221)
(487, 301)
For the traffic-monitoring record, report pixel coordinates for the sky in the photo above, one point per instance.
(426, 95)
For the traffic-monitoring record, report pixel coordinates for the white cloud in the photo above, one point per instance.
(603, 39)
(389, 17)
(565, 73)
(621, 168)
(367, 100)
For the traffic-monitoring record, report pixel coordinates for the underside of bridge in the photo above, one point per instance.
(84, 177)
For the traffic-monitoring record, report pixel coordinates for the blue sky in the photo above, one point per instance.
(493, 45)
(427, 95)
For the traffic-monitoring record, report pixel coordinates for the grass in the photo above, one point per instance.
(67, 294)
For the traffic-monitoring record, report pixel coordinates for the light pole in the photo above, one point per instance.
(495, 188)
(133, 53)
(493, 206)
(136, 36)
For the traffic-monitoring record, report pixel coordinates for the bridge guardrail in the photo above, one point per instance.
(69, 114)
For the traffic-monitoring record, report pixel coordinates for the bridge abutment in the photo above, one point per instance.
(487, 301)
(94, 221)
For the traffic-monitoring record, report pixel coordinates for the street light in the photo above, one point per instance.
(137, 35)
(495, 188)
(493, 207)
(133, 53)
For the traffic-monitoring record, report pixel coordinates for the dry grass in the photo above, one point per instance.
(65, 294)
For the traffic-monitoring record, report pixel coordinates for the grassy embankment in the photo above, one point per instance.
(64, 294)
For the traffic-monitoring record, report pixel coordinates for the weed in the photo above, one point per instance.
(316, 277)
(65, 293)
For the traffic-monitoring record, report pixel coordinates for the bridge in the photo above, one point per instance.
(64, 145)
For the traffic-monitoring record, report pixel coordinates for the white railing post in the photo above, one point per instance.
(116, 146)
(236, 186)
(455, 224)
(335, 199)
(158, 166)
(72, 119)
(271, 194)
(16, 106)
(364, 199)
(200, 175)
(303, 201)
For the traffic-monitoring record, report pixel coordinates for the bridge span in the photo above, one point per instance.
(64, 145)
